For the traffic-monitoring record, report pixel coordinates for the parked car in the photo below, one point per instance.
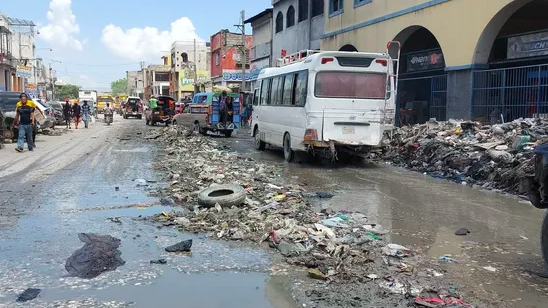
(49, 115)
(193, 115)
(132, 107)
(58, 112)
(161, 114)
(8, 101)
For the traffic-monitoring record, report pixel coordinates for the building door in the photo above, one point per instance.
(422, 98)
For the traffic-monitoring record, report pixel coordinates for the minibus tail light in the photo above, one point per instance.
(382, 62)
(326, 60)
(310, 135)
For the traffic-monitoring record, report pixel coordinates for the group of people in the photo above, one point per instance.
(77, 113)
(226, 110)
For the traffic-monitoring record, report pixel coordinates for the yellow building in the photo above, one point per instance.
(480, 59)
(185, 82)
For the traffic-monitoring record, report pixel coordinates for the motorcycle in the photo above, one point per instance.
(108, 118)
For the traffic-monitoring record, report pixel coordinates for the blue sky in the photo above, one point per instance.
(92, 41)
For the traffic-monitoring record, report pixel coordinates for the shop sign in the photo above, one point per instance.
(530, 45)
(427, 60)
(31, 90)
(257, 66)
(186, 82)
(23, 71)
(235, 75)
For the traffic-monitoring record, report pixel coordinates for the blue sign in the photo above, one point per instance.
(234, 75)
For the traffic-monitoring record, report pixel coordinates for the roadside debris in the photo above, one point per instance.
(462, 231)
(54, 131)
(492, 157)
(490, 268)
(180, 247)
(158, 261)
(336, 247)
(28, 295)
(99, 254)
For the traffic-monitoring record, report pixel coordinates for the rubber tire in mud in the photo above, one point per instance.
(237, 197)
(544, 239)
(259, 144)
(289, 154)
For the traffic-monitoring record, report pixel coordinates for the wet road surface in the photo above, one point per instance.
(41, 219)
(495, 260)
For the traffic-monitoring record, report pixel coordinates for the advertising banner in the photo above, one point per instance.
(23, 71)
(256, 68)
(530, 45)
(32, 90)
(235, 75)
(186, 82)
(423, 61)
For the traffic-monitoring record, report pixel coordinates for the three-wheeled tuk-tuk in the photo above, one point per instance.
(214, 121)
(163, 113)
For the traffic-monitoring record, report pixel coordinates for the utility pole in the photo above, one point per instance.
(244, 60)
(195, 70)
(52, 83)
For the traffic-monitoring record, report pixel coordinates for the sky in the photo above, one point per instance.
(97, 41)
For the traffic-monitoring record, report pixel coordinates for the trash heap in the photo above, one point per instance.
(493, 157)
(340, 248)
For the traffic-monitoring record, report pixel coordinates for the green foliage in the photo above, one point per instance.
(119, 86)
(69, 90)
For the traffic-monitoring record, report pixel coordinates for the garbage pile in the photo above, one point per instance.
(493, 157)
(332, 247)
(54, 131)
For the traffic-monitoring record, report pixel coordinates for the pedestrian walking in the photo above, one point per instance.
(76, 113)
(86, 112)
(24, 121)
(223, 107)
(30, 103)
(67, 109)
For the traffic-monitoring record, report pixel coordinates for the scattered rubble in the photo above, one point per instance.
(462, 231)
(99, 254)
(180, 247)
(492, 157)
(339, 248)
(28, 295)
(54, 131)
(158, 261)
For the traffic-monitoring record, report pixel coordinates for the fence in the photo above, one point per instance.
(510, 93)
(438, 98)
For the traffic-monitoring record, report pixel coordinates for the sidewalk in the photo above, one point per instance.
(52, 152)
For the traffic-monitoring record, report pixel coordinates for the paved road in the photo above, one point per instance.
(67, 186)
(424, 213)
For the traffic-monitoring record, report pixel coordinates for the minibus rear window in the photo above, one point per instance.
(361, 85)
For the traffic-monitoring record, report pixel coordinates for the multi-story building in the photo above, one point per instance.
(156, 79)
(24, 51)
(184, 57)
(226, 59)
(261, 52)
(298, 25)
(135, 83)
(7, 60)
(472, 59)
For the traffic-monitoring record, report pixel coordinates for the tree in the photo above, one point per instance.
(64, 91)
(119, 86)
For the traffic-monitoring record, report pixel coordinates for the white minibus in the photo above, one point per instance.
(326, 102)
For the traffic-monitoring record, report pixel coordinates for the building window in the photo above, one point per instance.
(303, 10)
(317, 7)
(217, 59)
(184, 55)
(335, 7)
(290, 17)
(279, 22)
(361, 2)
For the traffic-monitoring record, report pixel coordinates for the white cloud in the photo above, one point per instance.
(147, 43)
(62, 26)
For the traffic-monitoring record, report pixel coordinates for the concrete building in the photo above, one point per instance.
(226, 59)
(473, 59)
(135, 83)
(298, 25)
(24, 51)
(261, 52)
(183, 58)
(156, 80)
(7, 60)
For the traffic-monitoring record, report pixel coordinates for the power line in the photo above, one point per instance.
(88, 64)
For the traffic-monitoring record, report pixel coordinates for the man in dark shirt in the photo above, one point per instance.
(24, 120)
(76, 113)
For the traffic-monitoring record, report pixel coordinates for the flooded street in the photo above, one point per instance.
(106, 190)
(41, 220)
(424, 213)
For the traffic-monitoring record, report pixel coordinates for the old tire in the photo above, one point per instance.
(259, 144)
(226, 195)
(289, 154)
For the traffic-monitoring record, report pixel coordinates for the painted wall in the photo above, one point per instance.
(262, 37)
(224, 54)
(303, 35)
(369, 27)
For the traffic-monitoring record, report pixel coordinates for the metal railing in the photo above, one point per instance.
(502, 95)
(438, 98)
